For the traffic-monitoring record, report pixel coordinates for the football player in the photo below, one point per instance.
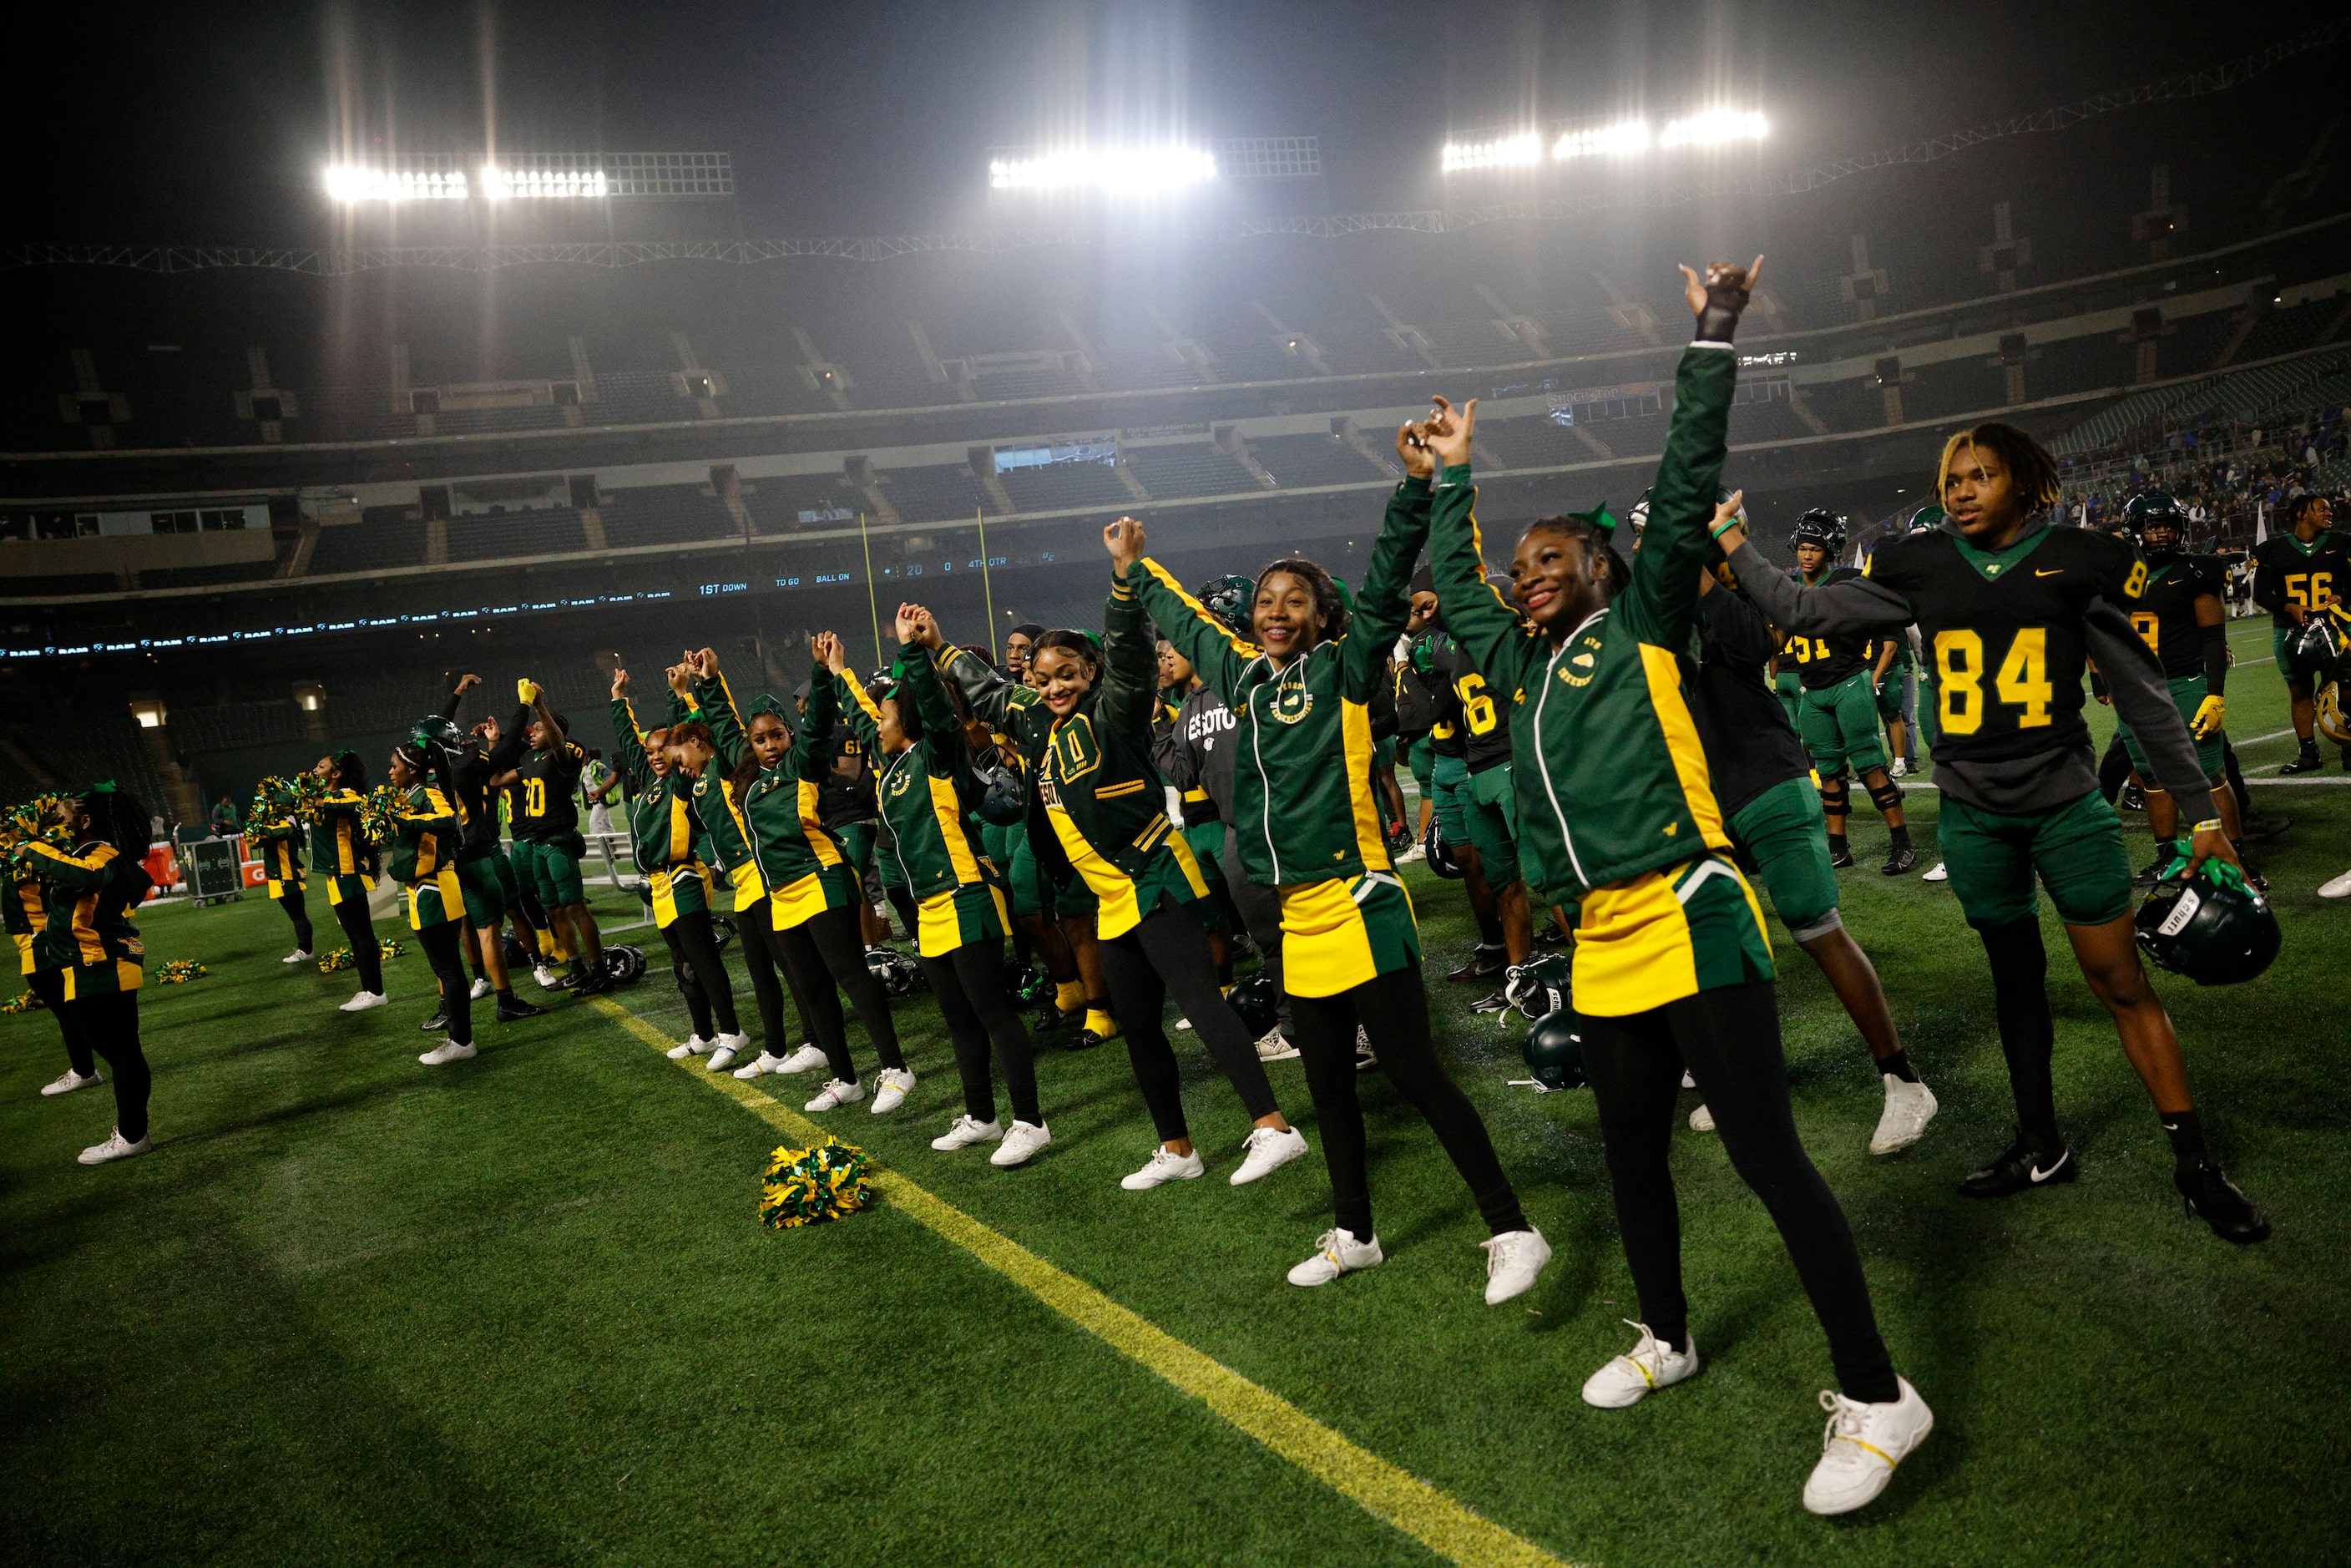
(2301, 569)
(1838, 714)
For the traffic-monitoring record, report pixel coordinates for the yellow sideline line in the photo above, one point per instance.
(1437, 1520)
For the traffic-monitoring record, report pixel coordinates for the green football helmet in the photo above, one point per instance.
(1253, 999)
(1231, 601)
(1554, 1050)
(1540, 986)
(2212, 928)
(437, 731)
(1927, 518)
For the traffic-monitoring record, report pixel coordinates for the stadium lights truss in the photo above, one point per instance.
(1153, 170)
(548, 176)
(1524, 149)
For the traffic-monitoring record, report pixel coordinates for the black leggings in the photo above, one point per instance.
(1393, 1011)
(827, 953)
(441, 944)
(2028, 1028)
(110, 1022)
(1166, 954)
(367, 952)
(291, 901)
(755, 941)
(1730, 1040)
(969, 985)
(1260, 910)
(49, 984)
(701, 973)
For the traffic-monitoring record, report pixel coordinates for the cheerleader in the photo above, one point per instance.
(26, 908)
(273, 830)
(350, 862)
(94, 950)
(424, 846)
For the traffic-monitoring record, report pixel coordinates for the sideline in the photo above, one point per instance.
(1395, 1496)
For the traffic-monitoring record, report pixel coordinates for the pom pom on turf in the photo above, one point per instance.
(802, 1186)
(341, 958)
(179, 971)
(28, 1002)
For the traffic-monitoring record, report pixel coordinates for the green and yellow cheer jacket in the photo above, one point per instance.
(925, 789)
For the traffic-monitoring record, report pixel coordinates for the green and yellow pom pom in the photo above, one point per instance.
(342, 959)
(376, 816)
(27, 1003)
(179, 971)
(803, 1186)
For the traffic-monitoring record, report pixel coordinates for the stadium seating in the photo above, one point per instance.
(554, 531)
(934, 495)
(1059, 485)
(208, 576)
(665, 514)
(1298, 460)
(1168, 472)
(785, 503)
(368, 546)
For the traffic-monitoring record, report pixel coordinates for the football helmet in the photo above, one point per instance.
(1230, 600)
(1554, 1050)
(2155, 513)
(1254, 1000)
(2210, 927)
(1822, 528)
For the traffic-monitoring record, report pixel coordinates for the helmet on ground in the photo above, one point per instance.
(1439, 853)
(625, 963)
(722, 931)
(1231, 601)
(1554, 1050)
(1821, 526)
(2210, 927)
(899, 974)
(2333, 722)
(1541, 985)
(517, 958)
(1254, 1000)
(2154, 513)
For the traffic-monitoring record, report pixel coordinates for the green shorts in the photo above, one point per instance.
(1451, 779)
(1783, 831)
(483, 880)
(1790, 684)
(1889, 692)
(2076, 850)
(1839, 724)
(1208, 841)
(2297, 672)
(857, 843)
(1493, 816)
(2187, 695)
(1422, 759)
(1383, 753)
(550, 869)
(1033, 892)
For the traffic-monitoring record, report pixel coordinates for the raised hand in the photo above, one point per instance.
(619, 683)
(829, 653)
(926, 629)
(1126, 541)
(680, 680)
(466, 683)
(705, 664)
(526, 692)
(1717, 298)
(906, 625)
(1449, 430)
(1412, 451)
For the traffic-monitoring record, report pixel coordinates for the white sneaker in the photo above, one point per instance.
(296, 957)
(726, 1048)
(1863, 1445)
(836, 1094)
(894, 1081)
(1338, 1252)
(1184, 1026)
(967, 1130)
(1269, 1149)
(115, 1147)
(481, 989)
(722, 1059)
(1164, 1166)
(1020, 1143)
(73, 1081)
(1652, 1365)
(764, 1062)
(1701, 1120)
(364, 1001)
(1900, 769)
(1940, 873)
(2340, 888)
(448, 1051)
(1687, 1082)
(1908, 1108)
(692, 1045)
(1272, 1047)
(1410, 855)
(1513, 1258)
(549, 980)
(805, 1060)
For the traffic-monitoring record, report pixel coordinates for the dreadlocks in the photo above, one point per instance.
(2030, 468)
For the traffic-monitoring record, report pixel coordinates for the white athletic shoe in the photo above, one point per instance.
(364, 1001)
(1900, 769)
(297, 956)
(2340, 888)
(1908, 1108)
(115, 1147)
(807, 1059)
(73, 1081)
(722, 1060)
(1652, 1365)
(967, 1130)
(1020, 1143)
(1687, 1082)
(1940, 873)
(891, 1093)
(448, 1051)
(1701, 1120)
(1863, 1445)
(1184, 1026)
(549, 980)
(1269, 1149)
(1272, 1047)
(725, 1048)
(1164, 1166)
(1415, 853)
(481, 989)
(692, 1045)
(764, 1062)
(1513, 1258)
(836, 1094)
(1337, 1252)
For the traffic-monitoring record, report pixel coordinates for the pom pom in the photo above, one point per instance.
(27, 1003)
(179, 971)
(342, 958)
(803, 1186)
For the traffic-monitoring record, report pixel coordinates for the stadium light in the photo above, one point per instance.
(1501, 153)
(1627, 136)
(1114, 171)
(561, 185)
(1714, 126)
(350, 182)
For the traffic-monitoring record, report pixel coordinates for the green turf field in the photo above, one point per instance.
(520, 1309)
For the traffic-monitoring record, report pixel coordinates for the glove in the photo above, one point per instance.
(526, 692)
(2210, 713)
(1726, 297)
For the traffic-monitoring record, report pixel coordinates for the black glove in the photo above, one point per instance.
(1726, 297)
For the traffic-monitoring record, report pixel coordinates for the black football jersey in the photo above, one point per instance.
(1482, 724)
(2165, 615)
(544, 801)
(845, 794)
(2285, 570)
(2004, 632)
(1444, 736)
(1821, 662)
